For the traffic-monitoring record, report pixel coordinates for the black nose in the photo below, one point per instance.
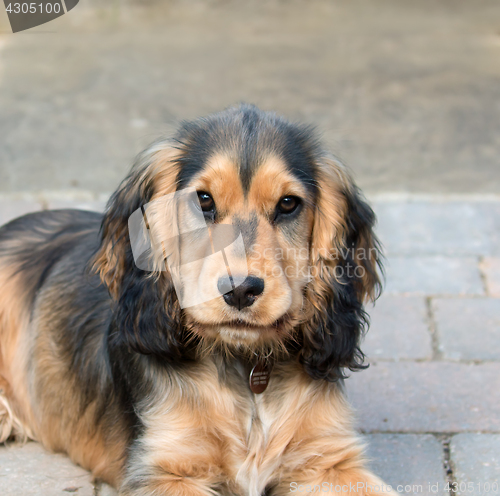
(243, 295)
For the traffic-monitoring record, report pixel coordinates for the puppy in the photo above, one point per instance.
(110, 353)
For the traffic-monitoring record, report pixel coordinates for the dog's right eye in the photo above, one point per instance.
(207, 203)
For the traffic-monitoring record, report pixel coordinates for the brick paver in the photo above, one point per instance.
(476, 459)
(398, 329)
(408, 462)
(468, 328)
(29, 470)
(433, 275)
(430, 228)
(427, 397)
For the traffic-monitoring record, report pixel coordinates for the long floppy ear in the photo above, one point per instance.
(147, 313)
(345, 260)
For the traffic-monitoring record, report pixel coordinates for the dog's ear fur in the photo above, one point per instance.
(147, 313)
(345, 260)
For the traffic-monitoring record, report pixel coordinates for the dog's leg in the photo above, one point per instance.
(11, 426)
(147, 480)
(168, 485)
(351, 482)
(341, 473)
(174, 458)
(324, 454)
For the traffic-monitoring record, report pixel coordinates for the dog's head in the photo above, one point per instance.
(310, 256)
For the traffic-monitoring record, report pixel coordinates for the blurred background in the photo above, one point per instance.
(407, 93)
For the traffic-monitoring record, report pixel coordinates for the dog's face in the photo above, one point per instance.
(272, 212)
(310, 255)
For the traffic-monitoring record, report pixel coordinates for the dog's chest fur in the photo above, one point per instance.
(202, 423)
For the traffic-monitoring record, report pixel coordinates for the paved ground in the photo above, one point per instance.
(429, 405)
(407, 92)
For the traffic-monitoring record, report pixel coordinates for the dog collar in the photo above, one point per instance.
(259, 376)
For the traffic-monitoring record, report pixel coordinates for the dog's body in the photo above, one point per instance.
(98, 360)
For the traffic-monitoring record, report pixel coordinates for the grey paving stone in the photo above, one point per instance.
(436, 275)
(29, 470)
(490, 266)
(468, 328)
(398, 329)
(10, 209)
(455, 228)
(427, 397)
(408, 462)
(476, 458)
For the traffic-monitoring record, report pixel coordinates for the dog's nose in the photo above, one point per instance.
(243, 295)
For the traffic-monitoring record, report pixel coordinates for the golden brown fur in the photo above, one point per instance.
(99, 360)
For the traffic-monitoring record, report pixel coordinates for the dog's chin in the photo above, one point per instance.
(245, 336)
(234, 336)
(242, 336)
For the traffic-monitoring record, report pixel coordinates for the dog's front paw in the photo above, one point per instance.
(353, 482)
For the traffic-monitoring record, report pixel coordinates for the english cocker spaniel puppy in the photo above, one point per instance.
(173, 356)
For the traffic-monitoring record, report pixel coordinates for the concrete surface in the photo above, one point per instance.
(28, 470)
(406, 92)
(429, 403)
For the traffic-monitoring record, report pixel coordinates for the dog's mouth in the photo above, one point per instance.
(246, 326)
(234, 331)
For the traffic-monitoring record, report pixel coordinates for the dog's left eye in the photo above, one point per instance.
(288, 205)
(207, 203)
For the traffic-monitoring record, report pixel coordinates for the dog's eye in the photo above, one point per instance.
(206, 202)
(288, 205)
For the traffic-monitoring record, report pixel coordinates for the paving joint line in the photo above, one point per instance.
(444, 296)
(432, 254)
(460, 296)
(447, 461)
(482, 275)
(389, 197)
(439, 434)
(463, 361)
(432, 329)
(373, 197)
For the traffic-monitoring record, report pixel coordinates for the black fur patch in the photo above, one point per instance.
(250, 136)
